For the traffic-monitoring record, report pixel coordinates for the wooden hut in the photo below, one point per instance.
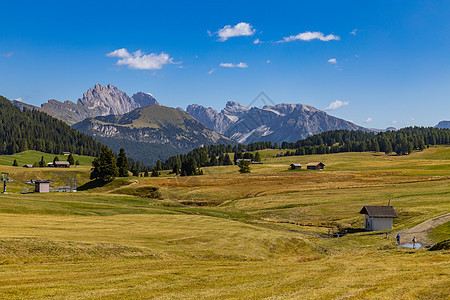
(378, 218)
(295, 166)
(315, 166)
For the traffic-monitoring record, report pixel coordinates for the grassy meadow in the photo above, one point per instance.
(228, 235)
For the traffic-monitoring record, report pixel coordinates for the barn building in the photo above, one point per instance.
(295, 166)
(61, 164)
(378, 218)
(315, 166)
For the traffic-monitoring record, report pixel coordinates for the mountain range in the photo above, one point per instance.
(152, 132)
(149, 131)
(97, 101)
(278, 123)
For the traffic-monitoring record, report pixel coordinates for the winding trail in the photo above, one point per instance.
(421, 230)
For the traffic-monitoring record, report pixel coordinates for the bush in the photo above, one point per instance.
(444, 245)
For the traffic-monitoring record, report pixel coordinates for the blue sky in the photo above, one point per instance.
(376, 63)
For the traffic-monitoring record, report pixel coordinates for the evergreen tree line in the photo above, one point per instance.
(35, 130)
(402, 142)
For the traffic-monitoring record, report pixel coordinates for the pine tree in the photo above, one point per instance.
(257, 157)
(158, 165)
(104, 167)
(42, 162)
(155, 173)
(146, 173)
(135, 172)
(213, 161)
(15, 164)
(77, 163)
(388, 149)
(189, 167)
(71, 160)
(244, 166)
(122, 163)
(227, 160)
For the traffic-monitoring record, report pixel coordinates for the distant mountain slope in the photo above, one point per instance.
(97, 101)
(443, 124)
(35, 130)
(282, 122)
(151, 133)
(23, 105)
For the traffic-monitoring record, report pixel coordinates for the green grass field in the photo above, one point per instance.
(229, 235)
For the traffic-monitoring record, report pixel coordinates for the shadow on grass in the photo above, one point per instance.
(355, 230)
(92, 185)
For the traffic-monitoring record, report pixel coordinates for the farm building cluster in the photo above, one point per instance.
(56, 163)
(309, 166)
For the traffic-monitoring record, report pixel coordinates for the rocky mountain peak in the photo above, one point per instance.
(144, 99)
(234, 107)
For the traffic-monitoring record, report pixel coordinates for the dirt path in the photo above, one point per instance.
(421, 230)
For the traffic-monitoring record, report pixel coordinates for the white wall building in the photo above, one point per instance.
(378, 218)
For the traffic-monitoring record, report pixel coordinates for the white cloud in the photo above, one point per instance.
(7, 54)
(354, 31)
(257, 41)
(211, 71)
(368, 120)
(241, 29)
(231, 65)
(268, 61)
(308, 36)
(394, 122)
(139, 60)
(332, 61)
(336, 104)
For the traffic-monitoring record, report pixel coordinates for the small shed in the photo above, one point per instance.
(295, 166)
(42, 186)
(378, 218)
(315, 166)
(244, 159)
(28, 166)
(66, 153)
(61, 164)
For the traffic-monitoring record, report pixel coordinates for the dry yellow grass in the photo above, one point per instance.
(228, 235)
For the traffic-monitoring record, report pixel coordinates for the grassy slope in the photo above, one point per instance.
(243, 244)
(31, 156)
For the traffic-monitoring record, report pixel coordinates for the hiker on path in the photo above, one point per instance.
(398, 239)
(414, 241)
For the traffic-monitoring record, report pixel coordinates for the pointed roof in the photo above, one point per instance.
(379, 211)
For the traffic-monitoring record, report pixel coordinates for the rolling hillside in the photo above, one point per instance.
(151, 133)
(230, 235)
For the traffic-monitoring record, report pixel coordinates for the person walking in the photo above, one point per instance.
(414, 241)
(398, 239)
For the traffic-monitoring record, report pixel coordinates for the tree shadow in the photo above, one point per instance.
(355, 230)
(92, 185)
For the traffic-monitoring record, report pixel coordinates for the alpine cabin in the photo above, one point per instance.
(315, 166)
(378, 218)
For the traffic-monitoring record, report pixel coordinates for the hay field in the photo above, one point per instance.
(230, 235)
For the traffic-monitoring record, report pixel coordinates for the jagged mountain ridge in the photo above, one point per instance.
(151, 133)
(278, 123)
(97, 101)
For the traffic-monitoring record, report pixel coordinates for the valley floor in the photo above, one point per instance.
(229, 235)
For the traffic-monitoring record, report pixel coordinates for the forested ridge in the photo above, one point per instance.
(35, 130)
(400, 142)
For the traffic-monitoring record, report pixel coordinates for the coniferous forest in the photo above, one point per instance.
(35, 130)
(400, 142)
